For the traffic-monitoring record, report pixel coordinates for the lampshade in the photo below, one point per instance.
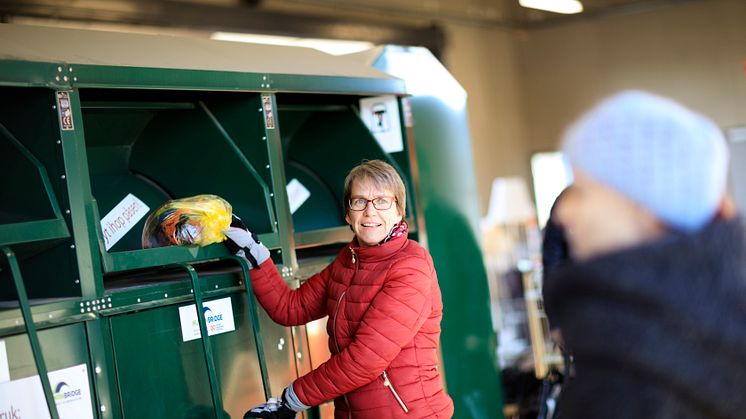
(509, 203)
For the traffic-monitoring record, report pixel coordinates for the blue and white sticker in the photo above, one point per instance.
(218, 317)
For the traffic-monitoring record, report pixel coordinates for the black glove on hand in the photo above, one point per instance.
(272, 409)
(243, 242)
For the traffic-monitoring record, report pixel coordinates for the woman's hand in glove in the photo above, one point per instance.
(283, 408)
(246, 244)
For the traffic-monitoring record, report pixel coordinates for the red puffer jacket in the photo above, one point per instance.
(384, 307)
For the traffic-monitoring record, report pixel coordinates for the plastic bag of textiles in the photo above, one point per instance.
(199, 220)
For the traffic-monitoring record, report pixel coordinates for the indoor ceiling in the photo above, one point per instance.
(405, 22)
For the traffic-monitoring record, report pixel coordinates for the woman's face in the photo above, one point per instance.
(371, 225)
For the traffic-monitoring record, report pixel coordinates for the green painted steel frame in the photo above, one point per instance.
(284, 223)
(82, 210)
(212, 374)
(33, 338)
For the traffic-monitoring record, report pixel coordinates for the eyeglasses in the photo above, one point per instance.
(379, 203)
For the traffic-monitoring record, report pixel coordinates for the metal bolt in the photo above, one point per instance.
(58, 141)
(64, 78)
(103, 408)
(298, 355)
(260, 109)
(77, 281)
(50, 316)
(191, 291)
(240, 282)
(267, 166)
(282, 341)
(67, 211)
(82, 310)
(262, 84)
(88, 309)
(264, 138)
(59, 69)
(75, 79)
(108, 299)
(72, 246)
(109, 305)
(57, 78)
(98, 370)
(271, 194)
(81, 304)
(216, 287)
(138, 300)
(54, 106)
(264, 77)
(87, 303)
(279, 347)
(165, 295)
(62, 177)
(70, 69)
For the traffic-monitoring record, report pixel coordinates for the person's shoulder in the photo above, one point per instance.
(414, 252)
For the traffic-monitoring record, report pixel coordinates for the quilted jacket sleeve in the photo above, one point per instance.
(394, 317)
(286, 306)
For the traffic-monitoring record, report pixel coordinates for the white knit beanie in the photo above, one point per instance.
(665, 157)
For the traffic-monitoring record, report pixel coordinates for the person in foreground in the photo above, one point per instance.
(653, 306)
(384, 305)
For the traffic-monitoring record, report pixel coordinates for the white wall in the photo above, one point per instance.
(486, 63)
(693, 53)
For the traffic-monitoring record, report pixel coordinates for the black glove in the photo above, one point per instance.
(243, 242)
(272, 409)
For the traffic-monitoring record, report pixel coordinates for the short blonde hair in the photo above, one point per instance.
(383, 176)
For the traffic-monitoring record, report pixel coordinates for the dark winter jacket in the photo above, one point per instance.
(657, 331)
(385, 308)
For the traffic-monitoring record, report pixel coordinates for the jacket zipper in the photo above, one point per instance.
(334, 326)
(387, 383)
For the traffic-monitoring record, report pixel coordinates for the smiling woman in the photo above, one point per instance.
(383, 300)
(376, 183)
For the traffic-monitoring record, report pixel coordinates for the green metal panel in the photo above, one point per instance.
(63, 347)
(134, 78)
(26, 73)
(150, 356)
(448, 200)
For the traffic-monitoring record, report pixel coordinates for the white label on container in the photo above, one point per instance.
(381, 116)
(297, 194)
(4, 366)
(121, 219)
(218, 317)
(24, 398)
